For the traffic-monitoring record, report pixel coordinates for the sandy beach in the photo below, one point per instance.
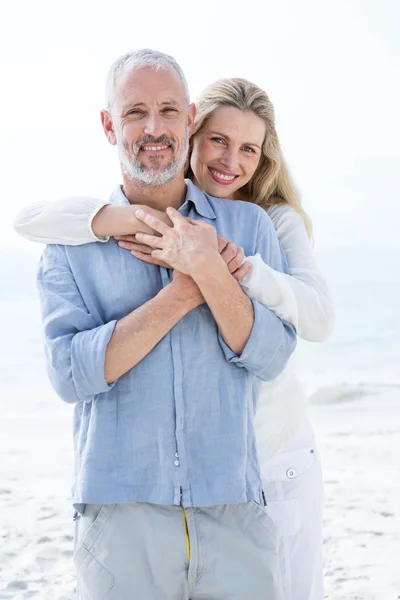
(353, 385)
(359, 443)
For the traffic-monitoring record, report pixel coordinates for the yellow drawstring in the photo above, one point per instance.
(186, 534)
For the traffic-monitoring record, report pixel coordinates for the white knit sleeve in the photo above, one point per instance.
(67, 221)
(302, 297)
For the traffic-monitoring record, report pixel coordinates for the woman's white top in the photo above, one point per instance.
(302, 297)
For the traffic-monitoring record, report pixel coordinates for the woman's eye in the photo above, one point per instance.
(249, 150)
(218, 140)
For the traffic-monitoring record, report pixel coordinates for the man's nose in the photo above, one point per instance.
(154, 125)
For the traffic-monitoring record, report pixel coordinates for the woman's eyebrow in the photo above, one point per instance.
(227, 138)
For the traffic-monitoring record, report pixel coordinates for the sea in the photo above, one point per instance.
(361, 358)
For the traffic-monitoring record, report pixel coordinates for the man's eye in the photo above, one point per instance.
(170, 110)
(135, 112)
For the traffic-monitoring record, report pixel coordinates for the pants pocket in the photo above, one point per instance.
(287, 469)
(259, 515)
(94, 579)
(292, 486)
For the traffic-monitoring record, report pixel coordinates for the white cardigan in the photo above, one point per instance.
(302, 297)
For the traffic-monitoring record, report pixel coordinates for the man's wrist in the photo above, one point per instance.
(173, 293)
(208, 265)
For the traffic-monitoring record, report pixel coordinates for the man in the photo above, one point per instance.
(164, 370)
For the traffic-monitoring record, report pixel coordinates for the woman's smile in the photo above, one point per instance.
(222, 177)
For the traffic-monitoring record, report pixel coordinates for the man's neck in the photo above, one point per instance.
(170, 194)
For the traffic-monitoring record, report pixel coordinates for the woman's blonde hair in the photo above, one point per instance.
(271, 184)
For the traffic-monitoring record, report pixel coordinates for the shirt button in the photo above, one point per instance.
(176, 454)
(176, 463)
(291, 473)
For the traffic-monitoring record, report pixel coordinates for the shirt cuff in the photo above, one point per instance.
(88, 354)
(266, 351)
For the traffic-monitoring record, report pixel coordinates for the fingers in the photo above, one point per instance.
(196, 222)
(232, 255)
(153, 221)
(175, 216)
(125, 238)
(229, 252)
(134, 246)
(148, 258)
(237, 261)
(150, 240)
(222, 242)
(242, 271)
(158, 255)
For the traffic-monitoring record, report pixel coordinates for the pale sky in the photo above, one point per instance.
(330, 68)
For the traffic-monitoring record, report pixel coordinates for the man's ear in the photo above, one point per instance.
(191, 116)
(108, 127)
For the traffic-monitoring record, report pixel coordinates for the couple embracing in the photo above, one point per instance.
(170, 313)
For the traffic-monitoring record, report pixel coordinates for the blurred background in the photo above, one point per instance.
(332, 71)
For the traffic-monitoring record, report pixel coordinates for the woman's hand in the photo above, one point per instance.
(233, 256)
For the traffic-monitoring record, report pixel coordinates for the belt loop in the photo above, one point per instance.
(263, 495)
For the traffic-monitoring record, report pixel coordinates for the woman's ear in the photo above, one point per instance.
(191, 116)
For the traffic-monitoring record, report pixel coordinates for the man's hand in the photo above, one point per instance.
(140, 251)
(230, 252)
(186, 246)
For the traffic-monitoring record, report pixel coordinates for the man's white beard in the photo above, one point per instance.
(145, 175)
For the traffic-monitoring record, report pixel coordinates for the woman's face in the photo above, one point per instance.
(226, 151)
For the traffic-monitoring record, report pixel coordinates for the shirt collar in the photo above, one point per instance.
(199, 199)
(118, 196)
(193, 194)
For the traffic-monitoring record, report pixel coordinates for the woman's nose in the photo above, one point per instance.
(230, 160)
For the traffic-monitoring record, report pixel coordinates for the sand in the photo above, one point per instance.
(359, 443)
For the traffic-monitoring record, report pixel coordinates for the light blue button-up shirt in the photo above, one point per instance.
(178, 427)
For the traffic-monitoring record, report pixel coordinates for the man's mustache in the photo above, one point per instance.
(149, 139)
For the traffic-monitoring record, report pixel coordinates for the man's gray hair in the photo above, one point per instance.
(136, 60)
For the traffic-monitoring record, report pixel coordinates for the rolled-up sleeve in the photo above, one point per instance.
(75, 345)
(272, 340)
(269, 346)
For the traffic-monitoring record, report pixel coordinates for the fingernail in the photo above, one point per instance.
(139, 212)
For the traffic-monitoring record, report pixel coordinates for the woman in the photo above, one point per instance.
(235, 154)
